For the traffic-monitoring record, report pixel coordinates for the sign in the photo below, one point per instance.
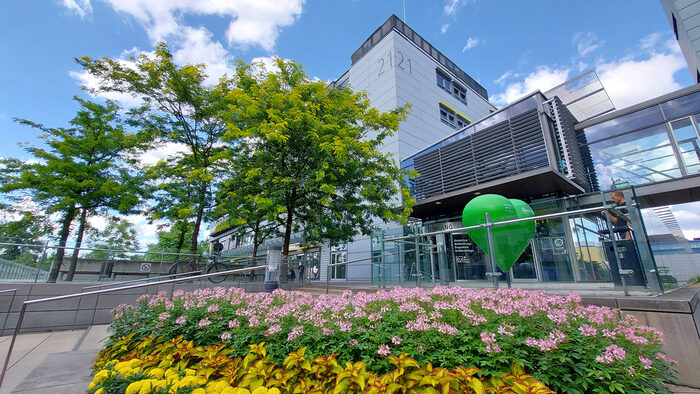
(559, 244)
(462, 245)
(145, 267)
(441, 226)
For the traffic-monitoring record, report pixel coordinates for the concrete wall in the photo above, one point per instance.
(677, 316)
(61, 315)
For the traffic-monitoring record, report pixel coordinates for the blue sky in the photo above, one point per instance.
(510, 47)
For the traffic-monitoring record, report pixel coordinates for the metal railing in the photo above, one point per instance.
(103, 291)
(9, 307)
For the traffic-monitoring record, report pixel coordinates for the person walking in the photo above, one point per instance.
(302, 267)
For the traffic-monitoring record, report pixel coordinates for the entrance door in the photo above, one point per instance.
(338, 256)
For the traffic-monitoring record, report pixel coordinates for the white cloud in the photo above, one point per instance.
(505, 76)
(644, 74)
(471, 43)
(543, 78)
(452, 6)
(587, 43)
(164, 151)
(252, 22)
(197, 47)
(91, 83)
(444, 28)
(640, 77)
(82, 8)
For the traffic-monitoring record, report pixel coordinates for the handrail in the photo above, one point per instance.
(9, 307)
(141, 280)
(504, 222)
(102, 291)
(104, 250)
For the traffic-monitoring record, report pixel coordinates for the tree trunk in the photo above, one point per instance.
(78, 244)
(256, 240)
(195, 230)
(181, 239)
(284, 267)
(63, 238)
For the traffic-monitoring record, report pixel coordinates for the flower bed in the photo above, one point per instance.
(569, 347)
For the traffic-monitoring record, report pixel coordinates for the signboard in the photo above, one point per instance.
(462, 245)
(145, 267)
(559, 244)
(441, 226)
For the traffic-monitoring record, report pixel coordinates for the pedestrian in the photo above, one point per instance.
(302, 267)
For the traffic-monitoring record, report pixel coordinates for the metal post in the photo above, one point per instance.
(12, 342)
(43, 256)
(614, 245)
(9, 308)
(274, 253)
(419, 274)
(489, 236)
(381, 262)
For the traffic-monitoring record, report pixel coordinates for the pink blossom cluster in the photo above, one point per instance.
(415, 311)
(611, 353)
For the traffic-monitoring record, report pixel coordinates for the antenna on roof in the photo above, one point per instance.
(404, 11)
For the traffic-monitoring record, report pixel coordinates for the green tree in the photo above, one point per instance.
(316, 154)
(118, 237)
(178, 108)
(85, 168)
(20, 226)
(170, 241)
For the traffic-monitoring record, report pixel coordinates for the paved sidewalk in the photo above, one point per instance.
(53, 362)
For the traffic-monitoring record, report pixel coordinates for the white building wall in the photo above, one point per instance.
(687, 14)
(393, 73)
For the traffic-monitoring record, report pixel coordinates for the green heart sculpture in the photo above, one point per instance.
(509, 241)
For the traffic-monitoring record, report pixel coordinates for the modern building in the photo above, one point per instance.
(684, 16)
(394, 66)
(560, 151)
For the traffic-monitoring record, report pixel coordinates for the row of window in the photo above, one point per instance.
(452, 119)
(447, 84)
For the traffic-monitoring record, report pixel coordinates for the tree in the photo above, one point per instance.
(170, 241)
(21, 226)
(118, 236)
(244, 205)
(178, 108)
(85, 168)
(314, 151)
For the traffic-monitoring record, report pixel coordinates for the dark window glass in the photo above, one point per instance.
(681, 106)
(675, 26)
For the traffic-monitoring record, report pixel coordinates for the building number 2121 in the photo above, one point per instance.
(387, 62)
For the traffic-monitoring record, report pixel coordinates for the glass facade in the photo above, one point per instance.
(653, 144)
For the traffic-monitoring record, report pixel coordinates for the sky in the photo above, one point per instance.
(511, 47)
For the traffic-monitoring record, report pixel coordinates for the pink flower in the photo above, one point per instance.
(204, 322)
(274, 329)
(353, 342)
(225, 336)
(396, 340)
(163, 316)
(611, 353)
(233, 323)
(295, 333)
(587, 330)
(181, 319)
(646, 362)
(213, 308)
(384, 350)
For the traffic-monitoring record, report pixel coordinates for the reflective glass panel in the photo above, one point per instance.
(625, 123)
(688, 144)
(681, 106)
(636, 158)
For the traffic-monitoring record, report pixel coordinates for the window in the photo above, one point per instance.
(447, 84)
(452, 119)
(675, 26)
(443, 81)
(460, 93)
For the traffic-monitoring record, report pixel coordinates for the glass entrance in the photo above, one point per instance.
(338, 255)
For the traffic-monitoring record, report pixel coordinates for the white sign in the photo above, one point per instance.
(145, 267)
